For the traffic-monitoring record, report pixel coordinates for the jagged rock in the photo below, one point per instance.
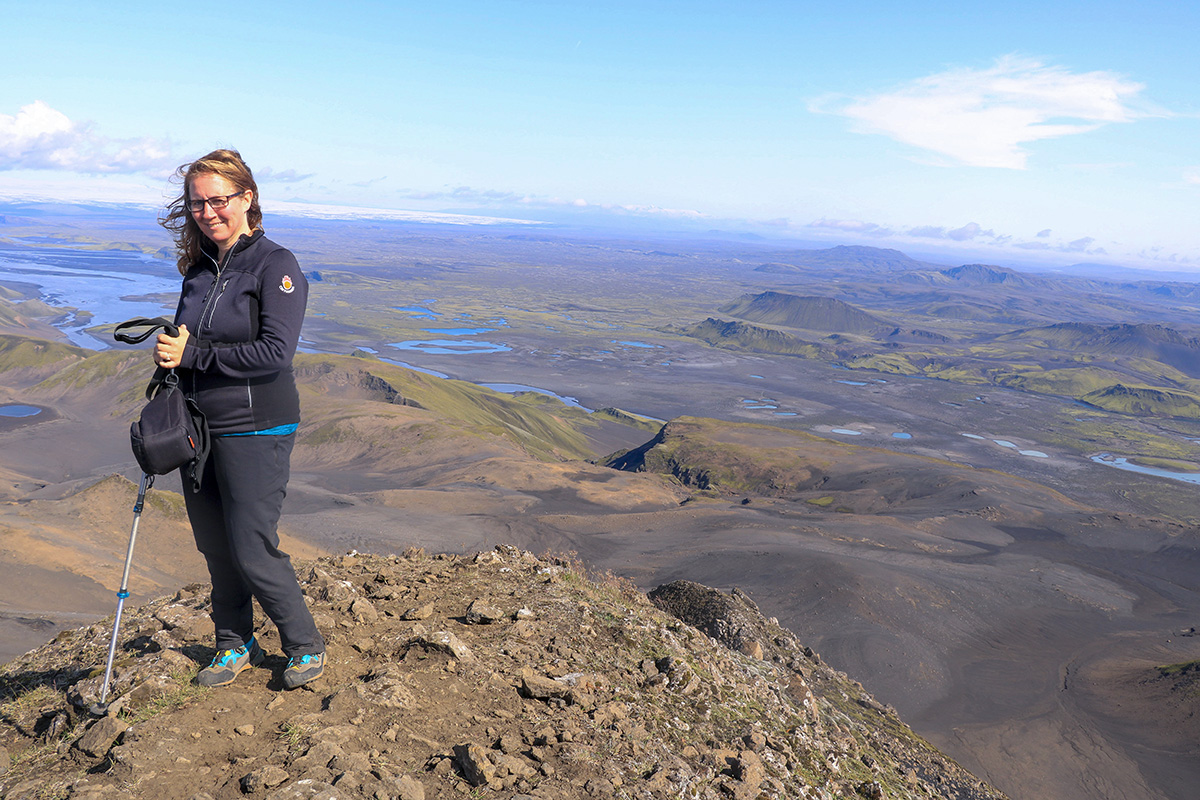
(262, 778)
(100, 736)
(351, 762)
(752, 648)
(317, 757)
(599, 787)
(307, 790)
(418, 613)
(363, 611)
(511, 765)
(748, 768)
(480, 613)
(408, 788)
(871, 790)
(755, 741)
(474, 764)
(445, 642)
(386, 687)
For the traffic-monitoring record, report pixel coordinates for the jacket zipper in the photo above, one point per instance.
(211, 300)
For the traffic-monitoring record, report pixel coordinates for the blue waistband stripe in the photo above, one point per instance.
(278, 430)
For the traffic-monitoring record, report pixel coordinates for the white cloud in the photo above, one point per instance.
(42, 138)
(972, 230)
(466, 194)
(982, 117)
(851, 225)
(268, 175)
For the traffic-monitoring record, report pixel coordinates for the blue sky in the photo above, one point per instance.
(1066, 132)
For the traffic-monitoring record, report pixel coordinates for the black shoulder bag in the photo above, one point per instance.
(171, 432)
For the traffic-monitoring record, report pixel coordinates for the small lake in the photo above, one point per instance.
(1120, 462)
(899, 435)
(846, 432)
(19, 411)
(458, 331)
(418, 312)
(450, 346)
(1007, 444)
(853, 383)
(639, 344)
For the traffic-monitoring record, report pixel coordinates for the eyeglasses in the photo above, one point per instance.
(215, 203)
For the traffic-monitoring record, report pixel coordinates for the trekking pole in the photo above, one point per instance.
(101, 708)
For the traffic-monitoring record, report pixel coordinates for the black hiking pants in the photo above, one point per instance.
(234, 518)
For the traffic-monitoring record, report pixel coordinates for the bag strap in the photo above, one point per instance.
(161, 380)
(162, 377)
(139, 322)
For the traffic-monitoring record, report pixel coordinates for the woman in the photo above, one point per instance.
(239, 318)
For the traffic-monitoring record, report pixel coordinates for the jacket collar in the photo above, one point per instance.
(210, 249)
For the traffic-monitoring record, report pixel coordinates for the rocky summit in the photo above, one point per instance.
(499, 674)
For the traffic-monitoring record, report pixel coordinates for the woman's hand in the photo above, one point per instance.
(168, 350)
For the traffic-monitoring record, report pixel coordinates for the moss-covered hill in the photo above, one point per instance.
(826, 314)
(495, 675)
(750, 338)
(1081, 361)
(731, 459)
(354, 407)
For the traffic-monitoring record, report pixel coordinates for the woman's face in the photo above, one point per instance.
(222, 225)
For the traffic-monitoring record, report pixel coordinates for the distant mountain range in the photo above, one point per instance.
(854, 257)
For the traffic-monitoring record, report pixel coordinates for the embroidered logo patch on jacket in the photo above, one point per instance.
(286, 286)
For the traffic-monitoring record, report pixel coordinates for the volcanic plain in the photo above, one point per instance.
(913, 466)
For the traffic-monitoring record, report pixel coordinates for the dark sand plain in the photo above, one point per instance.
(1012, 607)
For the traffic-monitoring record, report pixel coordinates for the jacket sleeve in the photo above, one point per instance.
(282, 297)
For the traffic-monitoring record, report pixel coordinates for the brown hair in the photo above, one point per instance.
(177, 217)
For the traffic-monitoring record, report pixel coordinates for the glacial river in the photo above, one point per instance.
(1120, 462)
(106, 287)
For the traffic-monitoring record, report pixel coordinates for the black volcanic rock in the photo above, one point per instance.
(732, 619)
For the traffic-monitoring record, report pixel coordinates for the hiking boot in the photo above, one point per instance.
(302, 669)
(228, 664)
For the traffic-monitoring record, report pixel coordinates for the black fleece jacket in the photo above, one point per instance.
(244, 317)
